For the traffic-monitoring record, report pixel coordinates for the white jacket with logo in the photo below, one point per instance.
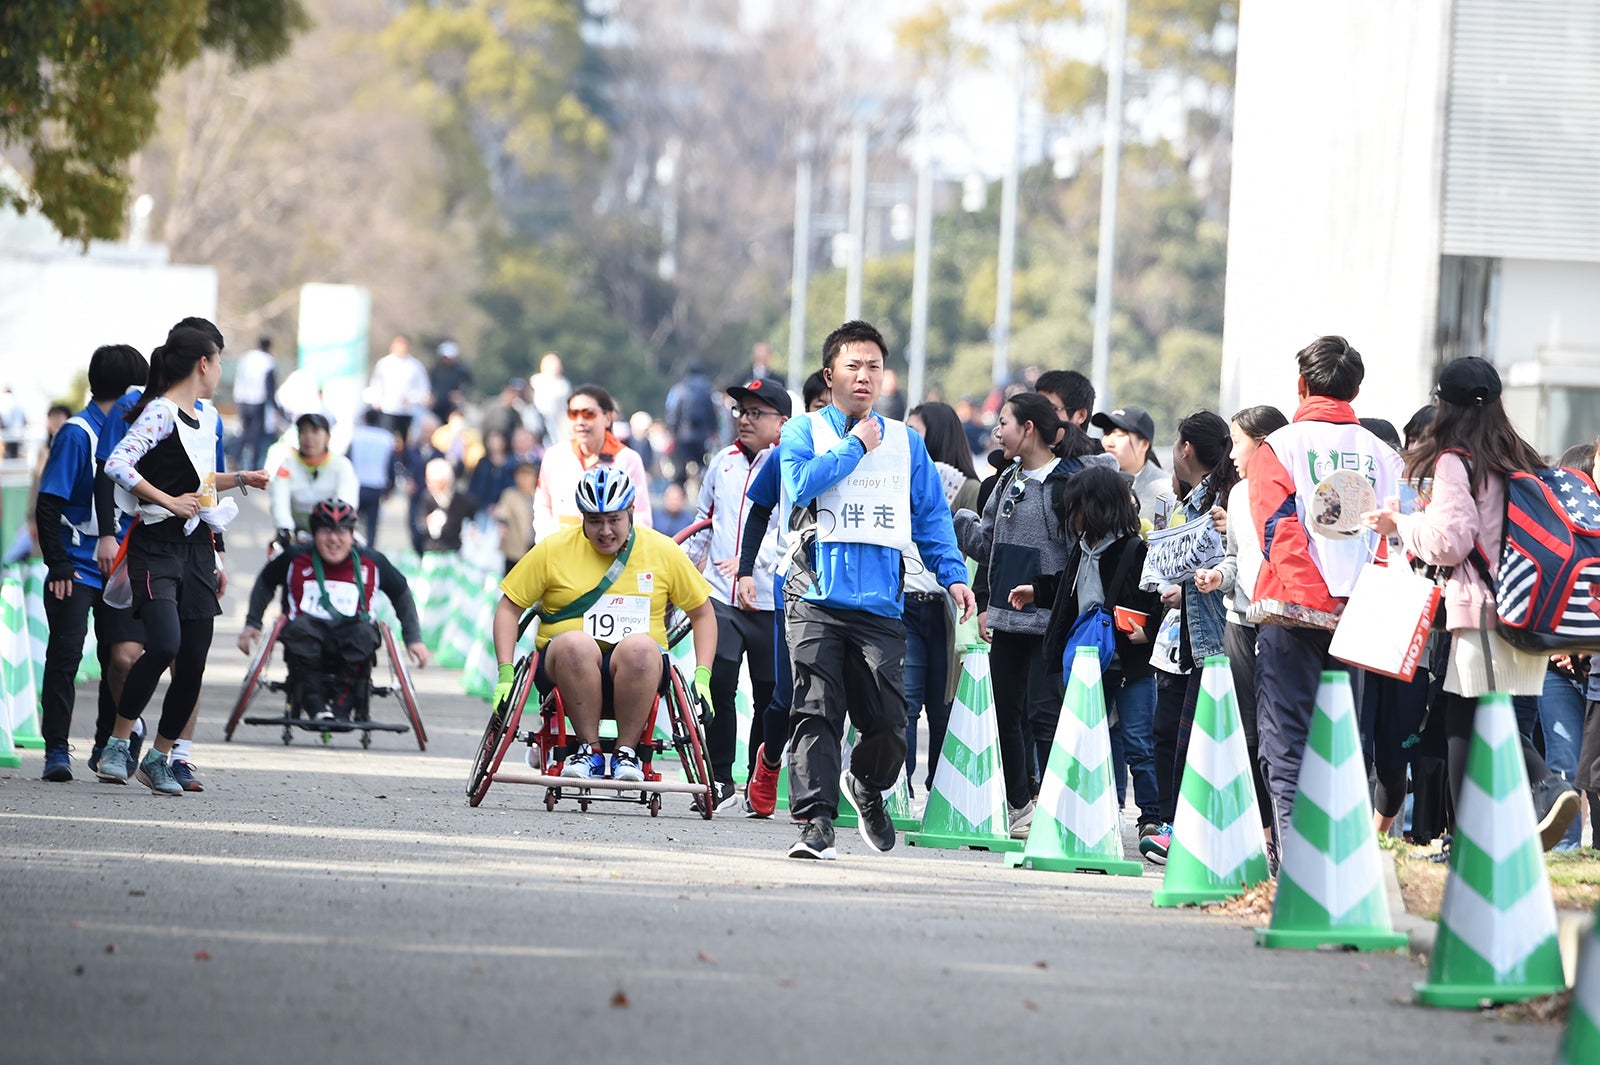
(723, 498)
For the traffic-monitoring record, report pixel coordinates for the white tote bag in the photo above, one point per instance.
(1385, 625)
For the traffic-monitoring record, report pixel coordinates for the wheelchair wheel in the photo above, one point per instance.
(408, 691)
(252, 677)
(689, 737)
(499, 734)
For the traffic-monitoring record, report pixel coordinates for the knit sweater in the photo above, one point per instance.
(1011, 549)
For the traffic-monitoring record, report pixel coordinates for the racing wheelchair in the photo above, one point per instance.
(549, 742)
(397, 684)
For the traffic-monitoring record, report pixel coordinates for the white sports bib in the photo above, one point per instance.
(345, 597)
(615, 616)
(872, 503)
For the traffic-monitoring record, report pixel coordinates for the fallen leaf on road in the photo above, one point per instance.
(619, 999)
(707, 957)
(202, 955)
(111, 948)
(74, 924)
(1041, 964)
(1030, 1004)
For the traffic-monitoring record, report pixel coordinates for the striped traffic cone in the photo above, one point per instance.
(1330, 885)
(1076, 827)
(25, 727)
(1581, 1045)
(897, 800)
(18, 703)
(1497, 924)
(967, 806)
(1217, 849)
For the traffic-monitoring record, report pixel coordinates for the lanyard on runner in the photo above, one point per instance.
(322, 587)
(580, 605)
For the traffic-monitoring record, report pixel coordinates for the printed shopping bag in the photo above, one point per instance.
(1385, 624)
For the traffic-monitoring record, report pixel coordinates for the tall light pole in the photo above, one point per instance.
(858, 221)
(1100, 375)
(922, 255)
(802, 264)
(1008, 246)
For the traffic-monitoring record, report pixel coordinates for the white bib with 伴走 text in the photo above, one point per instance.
(872, 503)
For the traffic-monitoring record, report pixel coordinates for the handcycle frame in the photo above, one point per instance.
(400, 686)
(551, 741)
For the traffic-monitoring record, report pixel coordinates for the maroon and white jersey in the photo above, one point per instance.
(305, 597)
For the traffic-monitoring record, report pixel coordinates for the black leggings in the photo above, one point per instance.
(1459, 711)
(182, 645)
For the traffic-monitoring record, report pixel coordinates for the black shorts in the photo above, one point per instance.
(179, 571)
(542, 681)
(114, 626)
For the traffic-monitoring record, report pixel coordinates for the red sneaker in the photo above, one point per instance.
(762, 791)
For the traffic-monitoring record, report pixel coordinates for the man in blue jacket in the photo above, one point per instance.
(863, 491)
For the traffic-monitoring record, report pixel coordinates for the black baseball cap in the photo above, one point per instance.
(1468, 382)
(765, 391)
(315, 420)
(1134, 420)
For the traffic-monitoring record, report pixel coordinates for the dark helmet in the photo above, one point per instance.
(333, 514)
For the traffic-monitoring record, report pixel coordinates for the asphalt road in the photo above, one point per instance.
(334, 904)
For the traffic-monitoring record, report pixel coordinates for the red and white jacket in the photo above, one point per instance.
(1325, 436)
(724, 495)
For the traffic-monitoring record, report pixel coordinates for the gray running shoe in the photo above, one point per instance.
(155, 773)
(816, 841)
(115, 766)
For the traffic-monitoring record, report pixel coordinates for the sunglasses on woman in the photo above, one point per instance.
(584, 414)
(1014, 493)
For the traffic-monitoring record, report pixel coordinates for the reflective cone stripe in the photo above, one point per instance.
(1497, 924)
(1581, 1044)
(1217, 849)
(35, 639)
(1076, 826)
(89, 664)
(967, 806)
(1330, 884)
(18, 702)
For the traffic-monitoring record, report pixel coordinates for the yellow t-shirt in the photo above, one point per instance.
(565, 565)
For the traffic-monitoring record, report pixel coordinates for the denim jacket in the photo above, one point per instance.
(1205, 614)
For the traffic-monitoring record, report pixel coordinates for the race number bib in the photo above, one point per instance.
(616, 616)
(345, 597)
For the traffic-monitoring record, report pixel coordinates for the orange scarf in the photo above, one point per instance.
(608, 450)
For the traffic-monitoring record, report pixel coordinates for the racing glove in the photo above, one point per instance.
(502, 690)
(702, 684)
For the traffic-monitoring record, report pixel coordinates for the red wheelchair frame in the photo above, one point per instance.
(400, 686)
(550, 741)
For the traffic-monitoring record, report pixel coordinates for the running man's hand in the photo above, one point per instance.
(60, 584)
(1020, 596)
(105, 554)
(966, 603)
(419, 655)
(869, 432)
(247, 639)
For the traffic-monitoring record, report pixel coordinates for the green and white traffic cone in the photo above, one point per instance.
(16, 676)
(480, 672)
(897, 800)
(1330, 882)
(25, 671)
(1076, 826)
(89, 664)
(967, 805)
(34, 574)
(1497, 939)
(1581, 1044)
(1217, 849)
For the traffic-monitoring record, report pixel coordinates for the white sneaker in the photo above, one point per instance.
(584, 764)
(1021, 819)
(625, 766)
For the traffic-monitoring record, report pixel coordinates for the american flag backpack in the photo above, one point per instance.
(1547, 593)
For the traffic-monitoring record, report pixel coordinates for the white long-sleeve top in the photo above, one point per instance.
(399, 384)
(724, 492)
(555, 501)
(297, 487)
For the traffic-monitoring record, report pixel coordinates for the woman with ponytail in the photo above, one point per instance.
(590, 414)
(167, 463)
(1023, 532)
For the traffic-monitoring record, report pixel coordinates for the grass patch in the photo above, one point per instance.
(1574, 878)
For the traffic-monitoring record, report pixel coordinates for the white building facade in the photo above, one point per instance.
(1422, 177)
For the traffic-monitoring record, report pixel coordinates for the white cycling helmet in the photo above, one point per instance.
(605, 490)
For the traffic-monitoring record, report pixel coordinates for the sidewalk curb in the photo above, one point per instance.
(1572, 926)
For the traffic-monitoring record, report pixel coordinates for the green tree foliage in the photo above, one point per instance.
(79, 83)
